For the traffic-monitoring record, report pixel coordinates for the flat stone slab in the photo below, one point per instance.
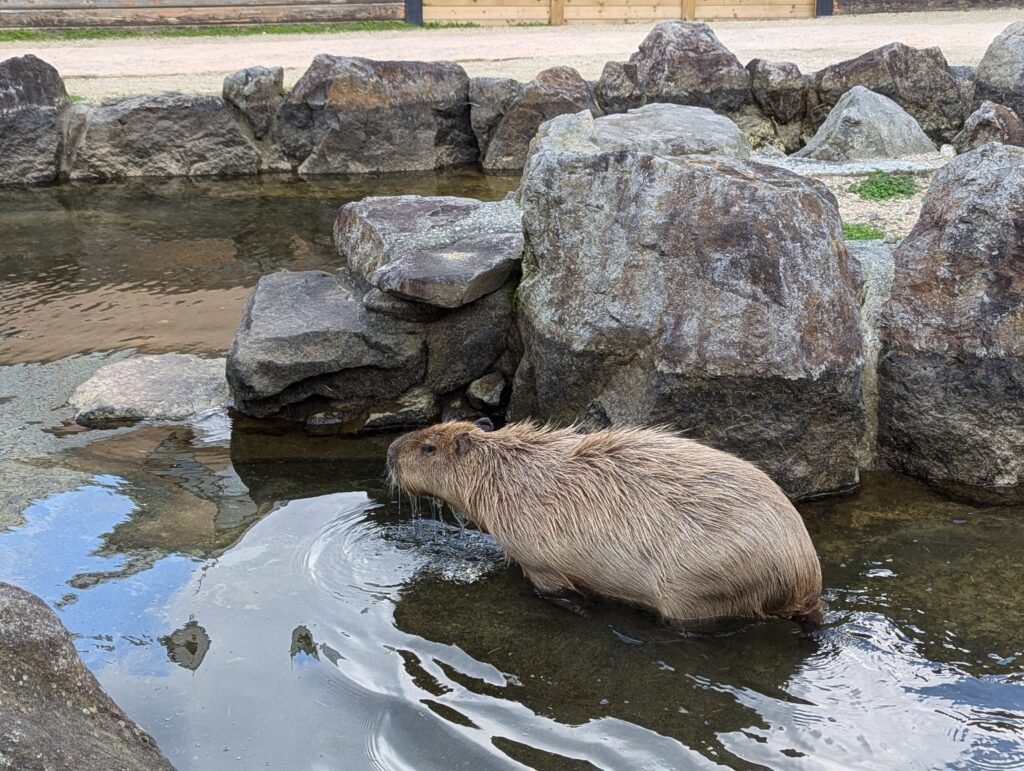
(168, 387)
(442, 251)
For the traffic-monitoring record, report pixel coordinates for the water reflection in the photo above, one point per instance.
(188, 646)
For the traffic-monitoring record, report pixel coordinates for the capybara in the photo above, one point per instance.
(639, 515)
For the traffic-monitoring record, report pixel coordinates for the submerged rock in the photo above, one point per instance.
(162, 135)
(952, 367)
(256, 92)
(512, 115)
(1000, 74)
(670, 129)
(778, 89)
(685, 63)
(168, 387)
(352, 115)
(865, 125)
(32, 105)
(443, 251)
(53, 712)
(709, 293)
(308, 348)
(918, 80)
(990, 123)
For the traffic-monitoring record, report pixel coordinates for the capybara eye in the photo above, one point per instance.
(428, 448)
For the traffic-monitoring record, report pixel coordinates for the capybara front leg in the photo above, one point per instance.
(551, 588)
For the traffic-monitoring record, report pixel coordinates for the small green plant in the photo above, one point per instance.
(883, 185)
(861, 231)
(76, 98)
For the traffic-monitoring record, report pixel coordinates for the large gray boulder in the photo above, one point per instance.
(32, 105)
(53, 712)
(918, 80)
(1000, 74)
(166, 387)
(864, 125)
(685, 63)
(162, 135)
(308, 348)
(256, 92)
(347, 114)
(709, 293)
(511, 116)
(952, 368)
(443, 251)
(670, 130)
(990, 123)
(778, 89)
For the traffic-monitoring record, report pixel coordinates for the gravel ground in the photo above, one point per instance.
(895, 216)
(100, 69)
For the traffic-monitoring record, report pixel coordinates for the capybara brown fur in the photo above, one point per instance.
(639, 515)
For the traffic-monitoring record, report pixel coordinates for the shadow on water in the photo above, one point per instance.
(255, 598)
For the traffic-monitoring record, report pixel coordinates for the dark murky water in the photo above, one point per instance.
(254, 598)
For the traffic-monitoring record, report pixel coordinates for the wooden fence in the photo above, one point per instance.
(56, 14)
(593, 11)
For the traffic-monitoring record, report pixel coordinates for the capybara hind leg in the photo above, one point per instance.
(548, 587)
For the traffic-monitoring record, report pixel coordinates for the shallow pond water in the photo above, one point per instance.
(256, 599)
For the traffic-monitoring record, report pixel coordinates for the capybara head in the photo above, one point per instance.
(434, 461)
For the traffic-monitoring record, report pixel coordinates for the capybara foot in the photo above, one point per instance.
(570, 602)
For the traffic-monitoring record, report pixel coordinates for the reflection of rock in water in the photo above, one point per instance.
(452, 553)
(302, 642)
(187, 647)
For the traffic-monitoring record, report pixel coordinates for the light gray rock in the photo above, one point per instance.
(617, 89)
(964, 77)
(951, 373)
(161, 135)
(488, 392)
(53, 712)
(377, 301)
(352, 115)
(309, 349)
(778, 89)
(32, 104)
(685, 63)
(865, 125)
(990, 123)
(918, 80)
(553, 92)
(709, 293)
(669, 130)
(443, 251)
(256, 92)
(167, 387)
(1000, 74)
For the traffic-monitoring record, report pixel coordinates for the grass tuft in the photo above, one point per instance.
(883, 185)
(861, 231)
(103, 33)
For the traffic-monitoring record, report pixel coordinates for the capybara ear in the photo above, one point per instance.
(484, 424)
(463, 442)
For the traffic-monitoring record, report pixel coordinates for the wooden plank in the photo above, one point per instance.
(513, 15)
(622, 13)
(556, 16)
(72, 5)
(613, 3)
(488, 3)
(155, 17)
(793, 11)
(688, 9)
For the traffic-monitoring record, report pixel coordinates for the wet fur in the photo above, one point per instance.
(639, 515)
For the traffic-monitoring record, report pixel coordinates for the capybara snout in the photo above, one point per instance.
(638, 515)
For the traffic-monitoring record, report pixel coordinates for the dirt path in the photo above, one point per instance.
(100, 69)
